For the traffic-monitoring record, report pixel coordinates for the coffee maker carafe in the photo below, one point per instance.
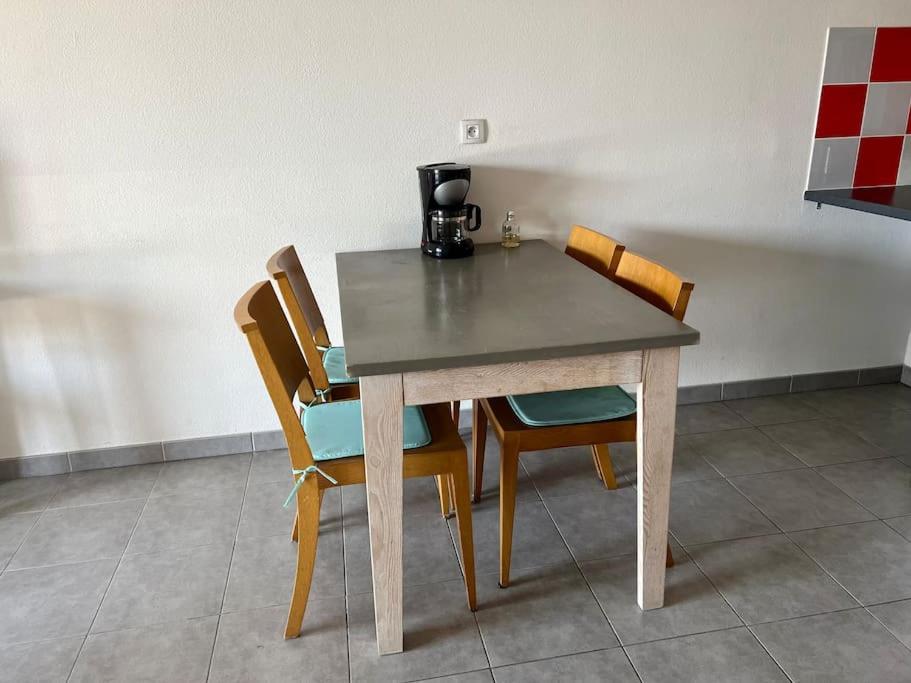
(447, 219)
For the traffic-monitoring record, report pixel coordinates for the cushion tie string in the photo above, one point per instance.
(321, 397)
(301, 476)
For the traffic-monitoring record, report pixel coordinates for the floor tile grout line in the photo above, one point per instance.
(734, 611)
(820, 564)
(111, 579)
(341, 515)
(588, 585)
(133, 554)
(553, 657)
(828, 464)
(839, 610)
(775, 621)
(664, 639)
(757, 425)
(814, 468)
(822, 526)
(769, 653)
(442, 676)
(96, 504)
(609, 621)
(474, 615)
(883, 624)
(6, 564)
(477, 625)
(230, 563)
(571, 654)
(565, 563)
(857, 501)
(457, 549)
(863, 438)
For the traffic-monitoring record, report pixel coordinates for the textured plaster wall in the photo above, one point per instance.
(152, 155)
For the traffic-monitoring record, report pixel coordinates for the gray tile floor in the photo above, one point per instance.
(791, 524)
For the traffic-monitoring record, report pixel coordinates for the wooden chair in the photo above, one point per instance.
(598, 252)
(602, 254)
(333, 383)
(655, 284)
(284, 370)
(285, 268)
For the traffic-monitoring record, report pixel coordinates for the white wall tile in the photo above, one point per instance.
(904, 178)
(848, 55)
(833, 163)
(886, 111)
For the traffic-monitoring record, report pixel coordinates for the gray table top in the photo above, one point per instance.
(403, 311)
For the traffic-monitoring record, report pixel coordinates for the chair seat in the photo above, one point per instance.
(334, 430)
(334, 363)
(576, 406)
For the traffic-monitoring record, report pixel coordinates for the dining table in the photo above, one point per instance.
(420, 330)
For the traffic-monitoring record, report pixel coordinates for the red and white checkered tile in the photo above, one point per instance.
(863, 124)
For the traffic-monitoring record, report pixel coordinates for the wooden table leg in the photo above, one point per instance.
(657, 407)
(381, 412)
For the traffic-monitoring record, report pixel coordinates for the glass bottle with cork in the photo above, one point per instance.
(510, 231)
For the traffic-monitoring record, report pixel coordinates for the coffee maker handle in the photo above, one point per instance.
(477, 215)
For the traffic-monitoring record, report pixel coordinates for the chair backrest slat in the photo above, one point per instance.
(285, 268)
(259, 316)
(598, 252)
(654, 283)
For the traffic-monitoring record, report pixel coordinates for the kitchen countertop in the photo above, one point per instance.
(893, 201)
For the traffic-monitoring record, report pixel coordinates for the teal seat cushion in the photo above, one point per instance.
(334, 429)
(334, 362)
(575, 406)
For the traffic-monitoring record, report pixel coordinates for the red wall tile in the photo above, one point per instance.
(909, 124)
(877, 161)
(841, 110)
(892, 55)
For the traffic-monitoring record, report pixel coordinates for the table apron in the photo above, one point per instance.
(523, 377)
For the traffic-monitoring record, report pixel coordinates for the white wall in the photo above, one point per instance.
(152, 155)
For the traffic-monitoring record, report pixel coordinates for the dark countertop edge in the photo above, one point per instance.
(844, 199)
(690, 338)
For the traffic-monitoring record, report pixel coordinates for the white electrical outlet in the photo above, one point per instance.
(473, 131)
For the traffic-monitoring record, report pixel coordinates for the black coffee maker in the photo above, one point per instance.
(447, 219)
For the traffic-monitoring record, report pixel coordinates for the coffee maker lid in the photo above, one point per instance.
(444, 166)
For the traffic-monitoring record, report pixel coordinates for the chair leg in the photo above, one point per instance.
(466, 539)
(597, 465)
(478, 444)
(456, 407)
(308, 500)
(601, 454)
(509, 475)
(445, 498)
(297, 517)
(669, 559)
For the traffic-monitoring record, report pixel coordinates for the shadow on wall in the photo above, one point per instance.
(532, 192)
(763, 309)
(787, 310)
(9, 431)
(62, 356)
